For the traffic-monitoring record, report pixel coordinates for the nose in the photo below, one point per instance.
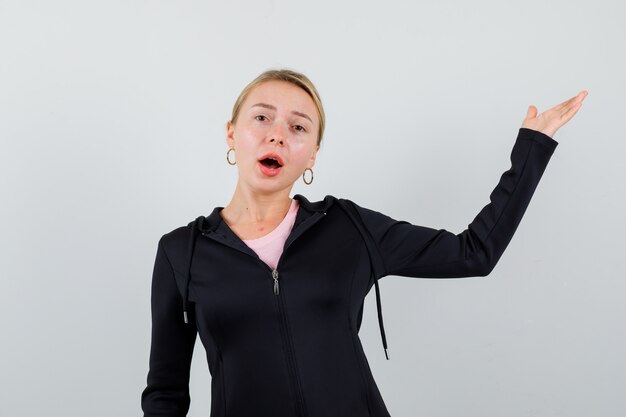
(278, 133)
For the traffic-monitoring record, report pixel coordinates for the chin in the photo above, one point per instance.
(266, 185)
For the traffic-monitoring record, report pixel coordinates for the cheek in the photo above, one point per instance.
(247, 143)
(300, 156)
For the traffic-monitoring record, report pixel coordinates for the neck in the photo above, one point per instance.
(249, 206)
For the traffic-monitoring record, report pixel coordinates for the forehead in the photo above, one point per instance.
(283, 95)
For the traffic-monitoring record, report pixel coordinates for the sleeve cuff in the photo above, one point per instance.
(538, 137)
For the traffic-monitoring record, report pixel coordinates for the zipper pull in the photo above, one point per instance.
(275, 276)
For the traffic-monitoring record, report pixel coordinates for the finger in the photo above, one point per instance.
(574, 104)
(565, 103)
(565, 117)
(573, 110)
(578, 97)
(532, 112)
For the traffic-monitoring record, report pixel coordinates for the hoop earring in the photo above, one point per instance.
(228, 157)
(304, 179)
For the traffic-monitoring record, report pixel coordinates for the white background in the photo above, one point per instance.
(112, 132)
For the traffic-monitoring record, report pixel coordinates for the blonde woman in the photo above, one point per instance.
(274, 285)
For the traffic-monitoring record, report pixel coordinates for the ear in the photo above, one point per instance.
(230, 134)
(312, 160)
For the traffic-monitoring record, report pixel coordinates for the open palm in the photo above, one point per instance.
(553, 119)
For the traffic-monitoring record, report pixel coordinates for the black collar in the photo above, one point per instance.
(213, 220)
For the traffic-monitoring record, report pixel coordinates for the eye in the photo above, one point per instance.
(260, 115)
(300, 128)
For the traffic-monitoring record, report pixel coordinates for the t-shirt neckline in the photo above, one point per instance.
(278, 229)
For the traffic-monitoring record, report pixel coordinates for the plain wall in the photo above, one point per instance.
(112, 130)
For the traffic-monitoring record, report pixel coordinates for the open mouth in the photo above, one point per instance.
(271, 163)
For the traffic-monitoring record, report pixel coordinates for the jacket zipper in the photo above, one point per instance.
(275, 276)
(291, 358)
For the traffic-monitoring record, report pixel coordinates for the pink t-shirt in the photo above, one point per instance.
(270, 247)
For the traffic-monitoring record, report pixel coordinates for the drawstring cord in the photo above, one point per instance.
(192, 243)
(356, 219)
(379, 308)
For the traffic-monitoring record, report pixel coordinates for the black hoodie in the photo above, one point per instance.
(284, 342)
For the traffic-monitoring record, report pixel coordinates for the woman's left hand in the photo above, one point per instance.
(552, 120)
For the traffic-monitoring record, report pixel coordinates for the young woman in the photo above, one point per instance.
(275, 285)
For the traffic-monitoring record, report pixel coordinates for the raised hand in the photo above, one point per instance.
(552, 120)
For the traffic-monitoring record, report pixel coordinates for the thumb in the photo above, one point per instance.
(532, 112)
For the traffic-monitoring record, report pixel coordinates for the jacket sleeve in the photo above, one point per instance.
(167, 390)
(417, 251)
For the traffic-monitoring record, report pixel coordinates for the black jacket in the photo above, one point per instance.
(285, 343)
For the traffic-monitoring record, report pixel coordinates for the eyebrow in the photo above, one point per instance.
(269, 106)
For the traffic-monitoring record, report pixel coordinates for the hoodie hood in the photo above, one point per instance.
(206, 224)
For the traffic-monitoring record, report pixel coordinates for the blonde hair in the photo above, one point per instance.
(293, 77)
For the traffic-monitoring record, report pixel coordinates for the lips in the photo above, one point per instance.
(270, 164)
